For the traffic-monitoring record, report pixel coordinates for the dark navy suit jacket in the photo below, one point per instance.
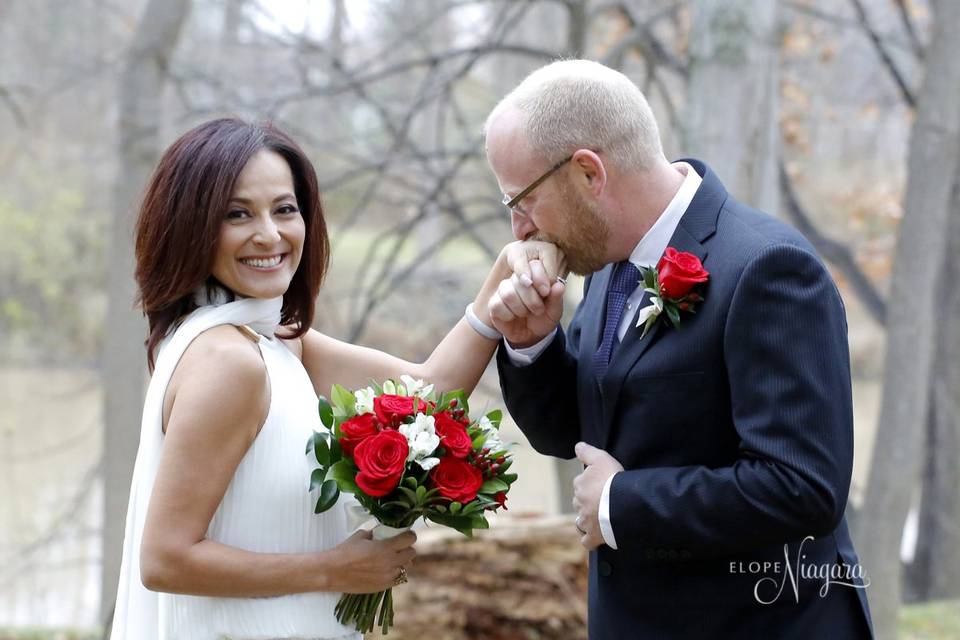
(736, 435)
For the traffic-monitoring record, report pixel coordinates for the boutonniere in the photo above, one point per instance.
(673, 286)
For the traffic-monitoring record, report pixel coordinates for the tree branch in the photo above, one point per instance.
(881, 50)
(835, 252)
(908, 26)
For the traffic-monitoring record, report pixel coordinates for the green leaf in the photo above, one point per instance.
(316, 478)
(344, 399)
(494, 485)
(336, 453)
(462, 524)
(455, 507)
(457, 395)
(673, 314)
(410, 481)
(326, 413)
(411, 495)
(474, 507)
(507, 477)
(421, 492)
(344, 475)
(495, 417)
(321, 450)
(329, 492)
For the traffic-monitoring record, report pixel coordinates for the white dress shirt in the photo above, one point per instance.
(646, 254)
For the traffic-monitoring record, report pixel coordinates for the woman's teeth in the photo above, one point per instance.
(263, 263)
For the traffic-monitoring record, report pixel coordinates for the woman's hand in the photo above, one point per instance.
(361, 564)
(528, 305)
(541, 262)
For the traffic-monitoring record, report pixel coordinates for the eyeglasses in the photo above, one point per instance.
(511, 203)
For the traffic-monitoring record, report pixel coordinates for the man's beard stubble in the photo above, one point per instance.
(585, 233)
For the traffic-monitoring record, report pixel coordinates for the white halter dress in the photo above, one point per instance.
(266, 507)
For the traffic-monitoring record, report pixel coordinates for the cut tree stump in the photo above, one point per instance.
(525, 577)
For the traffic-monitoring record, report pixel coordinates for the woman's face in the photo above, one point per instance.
(261, 237)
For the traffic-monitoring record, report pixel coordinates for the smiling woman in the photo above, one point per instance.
(221, 539)
(261, 240)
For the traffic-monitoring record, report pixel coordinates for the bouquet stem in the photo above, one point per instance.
(366, 610)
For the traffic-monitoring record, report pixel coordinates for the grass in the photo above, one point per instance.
(930, 621)
(927, 621)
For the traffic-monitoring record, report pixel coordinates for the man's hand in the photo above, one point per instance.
(587, 489)
(528, 305)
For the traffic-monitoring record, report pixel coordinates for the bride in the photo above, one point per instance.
(221, 540)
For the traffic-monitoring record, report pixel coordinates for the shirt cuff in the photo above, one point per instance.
(606, 528)
(527, 355)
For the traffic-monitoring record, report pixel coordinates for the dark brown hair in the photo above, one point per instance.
(184, 205)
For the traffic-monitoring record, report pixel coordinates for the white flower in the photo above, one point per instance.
(428, 463)
(364, 400)
(492, 441)
(416, 387)
(389, 387)
(422, 439)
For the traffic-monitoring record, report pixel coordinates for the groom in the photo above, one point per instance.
(718, 452)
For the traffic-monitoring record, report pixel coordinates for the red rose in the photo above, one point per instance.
(453, 435)
(356, 430)
(456, 479)
(392, 409)
(679, 271)
(381, 459)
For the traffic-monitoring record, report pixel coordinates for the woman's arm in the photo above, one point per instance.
(462, 356)
(222, 397)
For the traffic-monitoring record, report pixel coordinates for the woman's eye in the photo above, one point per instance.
(287, 208)
(235, 214)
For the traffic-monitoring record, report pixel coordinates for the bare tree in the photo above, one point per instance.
(140, 91)
(933, 162)
(935, 570)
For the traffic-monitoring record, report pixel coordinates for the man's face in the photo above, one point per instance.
(553, 212)
(582, 233)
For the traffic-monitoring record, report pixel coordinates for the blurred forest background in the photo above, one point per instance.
(841, 117)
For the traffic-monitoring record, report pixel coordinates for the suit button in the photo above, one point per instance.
(604, 568)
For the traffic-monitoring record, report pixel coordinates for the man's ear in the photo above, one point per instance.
(589, 171)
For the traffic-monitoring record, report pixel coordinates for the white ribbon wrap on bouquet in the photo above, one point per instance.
(358, 517)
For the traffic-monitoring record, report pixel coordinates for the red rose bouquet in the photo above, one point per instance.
(404, 455)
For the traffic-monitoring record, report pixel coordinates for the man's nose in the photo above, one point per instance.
(523, 226)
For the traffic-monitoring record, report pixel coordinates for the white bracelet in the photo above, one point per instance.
(479, 326)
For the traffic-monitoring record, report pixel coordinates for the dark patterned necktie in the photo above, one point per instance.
(625, 279)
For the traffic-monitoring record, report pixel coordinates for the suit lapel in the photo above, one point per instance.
(697, 224)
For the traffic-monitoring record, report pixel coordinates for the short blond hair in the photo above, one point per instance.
(581, 104)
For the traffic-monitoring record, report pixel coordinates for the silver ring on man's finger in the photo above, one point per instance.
(561, 280)
(579, 528)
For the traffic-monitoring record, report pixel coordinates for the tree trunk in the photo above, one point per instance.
(140, 92)
(932, 167)
(733, 96)
(935, 571)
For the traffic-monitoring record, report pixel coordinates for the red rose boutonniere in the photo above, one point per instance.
(673, 286)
